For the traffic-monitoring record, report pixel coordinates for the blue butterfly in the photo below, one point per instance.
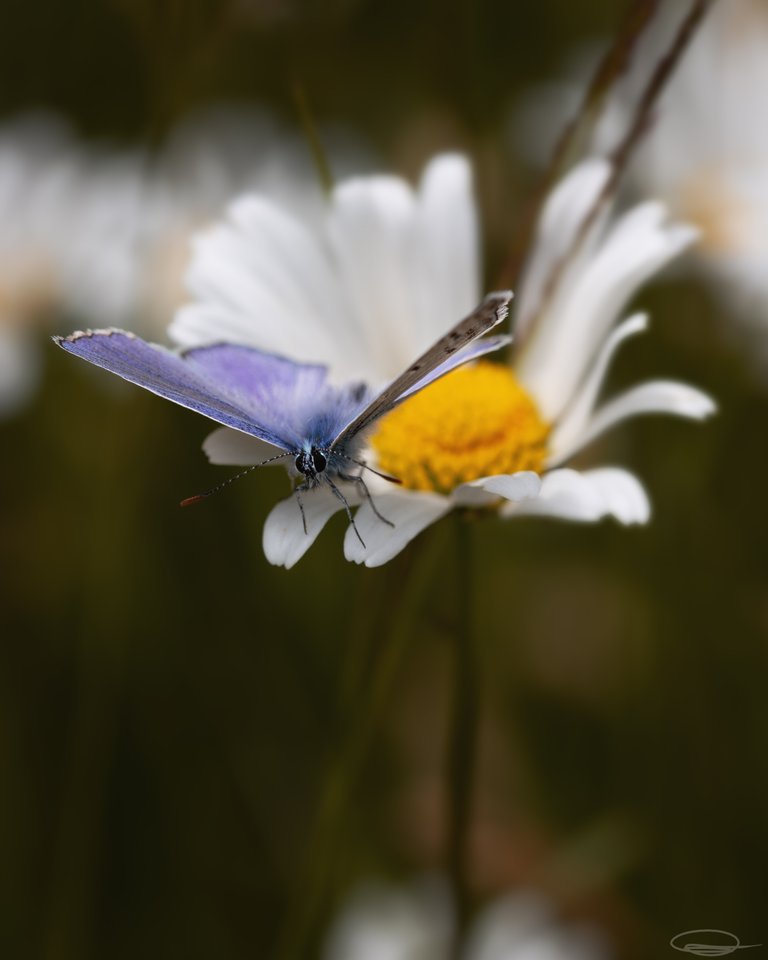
(289, 405)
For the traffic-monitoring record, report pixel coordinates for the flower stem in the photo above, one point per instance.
(462, 742)
(315, 885)
(574, 140)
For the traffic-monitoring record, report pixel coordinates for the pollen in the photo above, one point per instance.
(475, 422)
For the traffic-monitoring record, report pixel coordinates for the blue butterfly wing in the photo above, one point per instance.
(240, 387)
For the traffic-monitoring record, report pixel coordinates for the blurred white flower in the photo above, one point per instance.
(211, 157)
(102, 235)
(386, 273)
(384, 922)
(33, 205)
(706, 155)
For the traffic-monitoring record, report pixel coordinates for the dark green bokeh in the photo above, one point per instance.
(170, 704)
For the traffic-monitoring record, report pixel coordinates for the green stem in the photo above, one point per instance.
(315, 885)
(102, 648)
(462, 742)
(308, 125)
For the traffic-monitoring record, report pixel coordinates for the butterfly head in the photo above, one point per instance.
(311, 463)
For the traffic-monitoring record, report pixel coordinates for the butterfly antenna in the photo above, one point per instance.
(364, 465)
(203, 496)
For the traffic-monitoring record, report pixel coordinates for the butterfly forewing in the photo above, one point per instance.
(186, 380)
(491, 312)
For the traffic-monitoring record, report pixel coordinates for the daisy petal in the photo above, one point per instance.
(262, 278)
(524, 485)
(586, 497)
(622, 493)
(284, 539)
(409, 511)
(229, 447)
(449, 246)
(566, 438)
(561, 217)
(656, 396)
(370, 228)
(582, 312)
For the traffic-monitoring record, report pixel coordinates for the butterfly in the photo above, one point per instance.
(291, 406)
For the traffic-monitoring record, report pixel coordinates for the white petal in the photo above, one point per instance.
(262, 278)
(470, 496)
(371, 232)
(448, 246)
(582, 312)
(563, 214)
(566, 438)
(656, 396)
(409, 511)
(587, 497)
(284, 539)
(364, 292)
(230, 447)
(524, 485)
(622, 493)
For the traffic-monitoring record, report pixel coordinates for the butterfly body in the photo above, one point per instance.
(289, 407)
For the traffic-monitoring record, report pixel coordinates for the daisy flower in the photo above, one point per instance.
(385, 274)
(707, 155)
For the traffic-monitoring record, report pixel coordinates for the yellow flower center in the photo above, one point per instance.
(475, 422)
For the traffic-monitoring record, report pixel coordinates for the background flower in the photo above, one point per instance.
(707, 157)
(100, 235)
(384, 922)
(704, 157)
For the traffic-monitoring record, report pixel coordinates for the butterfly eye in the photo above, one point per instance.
(319, 461)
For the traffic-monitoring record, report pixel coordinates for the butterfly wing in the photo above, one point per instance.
(450, 351)
(241, 387)
(471, 352)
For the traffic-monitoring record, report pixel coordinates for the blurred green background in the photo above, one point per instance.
(171, 705)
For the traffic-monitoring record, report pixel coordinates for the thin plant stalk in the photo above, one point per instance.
(462, 741)
(620, 156)
(576, 133)
(70, 924)
(310, 902)
(309, 127)
(641, 121)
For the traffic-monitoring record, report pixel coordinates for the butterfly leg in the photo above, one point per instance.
(301, 505)
(344, 500)
(351, 478)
